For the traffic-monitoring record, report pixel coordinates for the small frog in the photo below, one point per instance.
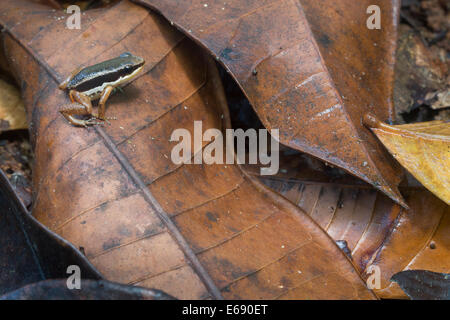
(97, 82)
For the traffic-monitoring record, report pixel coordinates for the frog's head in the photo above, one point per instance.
(130, 59)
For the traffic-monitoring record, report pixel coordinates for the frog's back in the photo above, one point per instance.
(109, 70)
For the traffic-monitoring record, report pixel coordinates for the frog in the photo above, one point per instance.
(97, 82)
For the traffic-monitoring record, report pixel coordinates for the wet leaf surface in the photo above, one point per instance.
(424, 285)
(306, 71)
(195, 231)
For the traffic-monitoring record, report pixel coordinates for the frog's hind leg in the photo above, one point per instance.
(69, 111)
(81, 105)
(81, 98)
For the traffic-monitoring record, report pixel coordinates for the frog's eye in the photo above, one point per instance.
(125, 54)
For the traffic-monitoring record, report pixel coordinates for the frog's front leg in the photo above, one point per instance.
(81, 105)
(101, 104)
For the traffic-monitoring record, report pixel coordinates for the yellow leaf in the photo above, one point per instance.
(12, 110)
(422, 148)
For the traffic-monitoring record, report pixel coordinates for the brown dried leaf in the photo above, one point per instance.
(423, 148)
(378, 232)
(310, 69)
(195, 231)
(419, 240)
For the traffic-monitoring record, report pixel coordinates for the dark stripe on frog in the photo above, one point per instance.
(107, 77)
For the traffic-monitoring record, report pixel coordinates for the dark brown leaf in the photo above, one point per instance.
(423, 284)
(90, 290)
(309, 68)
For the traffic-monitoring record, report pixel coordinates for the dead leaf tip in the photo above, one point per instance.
(395, 195)
(371, 121)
